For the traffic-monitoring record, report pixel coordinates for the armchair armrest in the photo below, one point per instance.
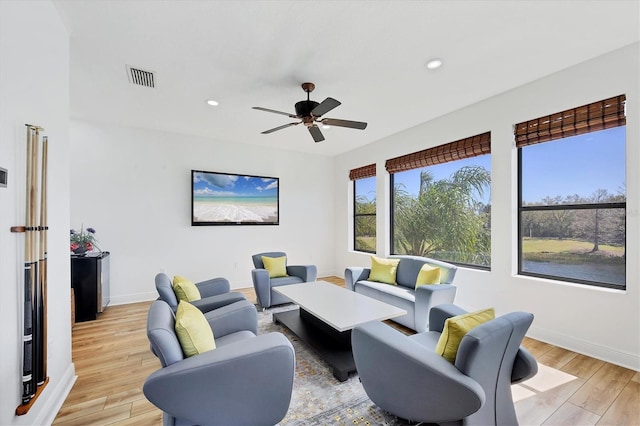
(407, 367)
(262, 286)
(227, 385)
(213, 287)
(238, 316)
(440, 313)
(308, 273)
(353, 274)
(428, 296)
(207, 304)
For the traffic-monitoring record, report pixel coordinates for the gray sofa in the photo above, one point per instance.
(418, 302)
(214, 292)
(406, 377)
(245, 380)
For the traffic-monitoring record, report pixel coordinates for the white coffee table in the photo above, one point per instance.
(326, 317)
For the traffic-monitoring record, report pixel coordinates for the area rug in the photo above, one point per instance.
(318, 398)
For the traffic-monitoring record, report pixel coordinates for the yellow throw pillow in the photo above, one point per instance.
(185, 289)
(456, 327)
(428, 275)
(193, 330)
(277, 266)
(384, 270)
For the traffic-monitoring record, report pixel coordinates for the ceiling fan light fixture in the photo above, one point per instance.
(433, 64)
(212, 102)
(310, 112)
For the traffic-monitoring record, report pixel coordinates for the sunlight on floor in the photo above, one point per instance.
(546, 379)
(519, 393)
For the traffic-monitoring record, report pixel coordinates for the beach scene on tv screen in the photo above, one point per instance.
(220, 198)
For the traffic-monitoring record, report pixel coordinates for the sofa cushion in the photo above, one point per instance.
(456, 327)
(185, 290)
(408, 270)
(383, 270)
(193, 330)
(400, 297)
(238, 336)
(291, 279)
(428, 339)
(428, 275)
(277, 266)
(395, 291)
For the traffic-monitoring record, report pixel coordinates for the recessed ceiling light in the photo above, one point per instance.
(434, 63)
(326, 126)
(212, 102)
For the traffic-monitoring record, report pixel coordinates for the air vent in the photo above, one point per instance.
(141, 77)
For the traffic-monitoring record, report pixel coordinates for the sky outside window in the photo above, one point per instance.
(366, 188)
(411, 178)
(577, 165)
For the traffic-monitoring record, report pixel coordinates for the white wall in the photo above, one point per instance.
(599, 322)
(34, 88)
(134, 187)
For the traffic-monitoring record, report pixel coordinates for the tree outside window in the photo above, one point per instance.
(444, 212)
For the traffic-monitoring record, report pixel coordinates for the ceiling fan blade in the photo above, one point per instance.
(275, 112)
(316, 133)
(266, 132)
(345, 123)
(324, 107)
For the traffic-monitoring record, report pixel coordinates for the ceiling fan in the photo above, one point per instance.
(310, 113)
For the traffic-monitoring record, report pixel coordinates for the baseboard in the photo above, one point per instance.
(145, 297)
(584, 347)
(330, 274)
(58, 395)
(237, 285)
(132, 298)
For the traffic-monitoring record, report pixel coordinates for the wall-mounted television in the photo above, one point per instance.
(233, 199)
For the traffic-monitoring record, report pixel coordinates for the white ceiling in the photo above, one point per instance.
(369, 55)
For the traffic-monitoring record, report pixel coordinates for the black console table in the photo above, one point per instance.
(90, 283)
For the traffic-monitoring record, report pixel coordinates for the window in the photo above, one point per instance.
(572, 197)
(440, 202)
(364, 208)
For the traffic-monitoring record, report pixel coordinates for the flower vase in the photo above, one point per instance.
(80, 250)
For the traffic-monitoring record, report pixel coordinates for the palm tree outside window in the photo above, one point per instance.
(441, 203)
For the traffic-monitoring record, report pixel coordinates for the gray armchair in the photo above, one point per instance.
(405, 377)
(245, 380)
(264, 285)
(214, 292)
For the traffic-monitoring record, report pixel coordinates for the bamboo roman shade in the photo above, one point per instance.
(464, 148)
(363, 172)
(577, 121)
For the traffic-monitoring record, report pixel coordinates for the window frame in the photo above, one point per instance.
(470, 147)
(357, 215)
(355, 175)
(559, 207)
(600, 115)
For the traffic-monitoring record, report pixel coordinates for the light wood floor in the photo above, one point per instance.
(112, 360)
